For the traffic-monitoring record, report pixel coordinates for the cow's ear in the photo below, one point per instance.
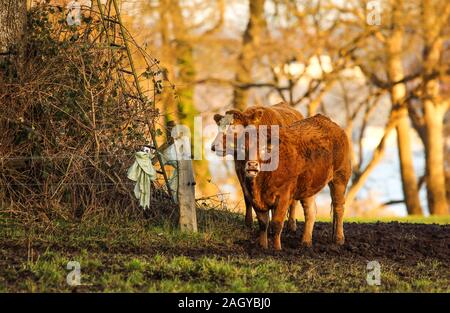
(256, 116)
(236, 114)
(218, 118)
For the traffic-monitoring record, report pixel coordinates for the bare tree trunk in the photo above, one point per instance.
(250, 39)
(400, 111)
(185, 63)
(409, 179)
(184, 55)
(13, 17)
(168, 105)
(435, 177)
(434, 111)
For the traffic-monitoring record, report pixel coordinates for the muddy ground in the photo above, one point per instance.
(414, 257)
(401, 242)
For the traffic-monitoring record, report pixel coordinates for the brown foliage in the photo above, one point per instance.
(68, 131)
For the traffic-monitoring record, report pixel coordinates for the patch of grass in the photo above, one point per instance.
(135, 265)
(162, 273)
(118, 233)
(129, 255)
(47, 270)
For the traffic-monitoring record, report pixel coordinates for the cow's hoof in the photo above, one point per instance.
(263, 244)
(292, 226)
(339, 241)
(277, 244)
(249, 221)
(306, 244)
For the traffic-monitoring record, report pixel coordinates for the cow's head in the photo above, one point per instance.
(262, 155)
(232, 127)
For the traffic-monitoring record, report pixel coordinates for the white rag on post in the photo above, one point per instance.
(142, 172)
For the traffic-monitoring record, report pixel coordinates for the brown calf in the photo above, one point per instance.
(279, 114)
(312, 153)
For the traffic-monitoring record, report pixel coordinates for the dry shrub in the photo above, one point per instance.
(68, 131)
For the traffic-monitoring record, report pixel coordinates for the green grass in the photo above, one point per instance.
(160, 273)
(131, 254)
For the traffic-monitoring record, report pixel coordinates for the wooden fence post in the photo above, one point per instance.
(186, 196)
(186, 189)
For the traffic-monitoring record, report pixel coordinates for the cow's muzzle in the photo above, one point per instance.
(252, 169)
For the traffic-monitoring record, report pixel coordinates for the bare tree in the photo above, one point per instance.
(394, 48)
(285, 41)
(13, 19)
(251, 37)
(434, 107)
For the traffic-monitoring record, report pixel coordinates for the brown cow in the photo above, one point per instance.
(279, 114)
(312, 153)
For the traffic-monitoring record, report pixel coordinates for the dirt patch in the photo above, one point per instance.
(400, 242)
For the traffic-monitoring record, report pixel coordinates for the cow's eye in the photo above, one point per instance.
(224, 128)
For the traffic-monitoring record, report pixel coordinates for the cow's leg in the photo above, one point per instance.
(248, 212)
(337, 190)
(292, 223)
(247, 197)
(309, 210)
(278, 220)
(263, 220)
